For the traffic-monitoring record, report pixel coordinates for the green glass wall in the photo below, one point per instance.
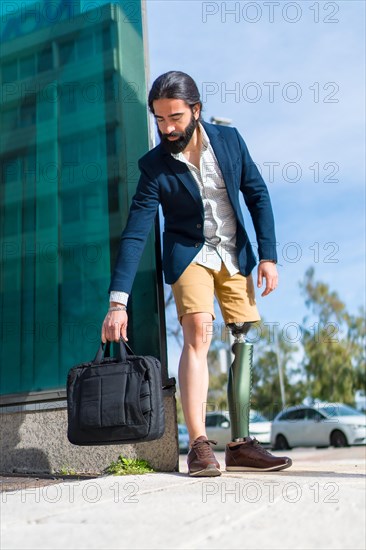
(73, 125)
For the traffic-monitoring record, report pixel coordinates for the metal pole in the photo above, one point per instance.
(280, 373)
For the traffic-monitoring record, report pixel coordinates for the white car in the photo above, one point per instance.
(218, 428)
(320, 425)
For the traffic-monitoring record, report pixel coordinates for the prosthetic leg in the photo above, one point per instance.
(240, 382)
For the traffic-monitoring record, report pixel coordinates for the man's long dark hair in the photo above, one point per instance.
(175, 85)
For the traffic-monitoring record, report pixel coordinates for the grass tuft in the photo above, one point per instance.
(67, 471)
(127, 466)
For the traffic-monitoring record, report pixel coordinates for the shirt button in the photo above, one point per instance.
(199, 226)
(196, 245)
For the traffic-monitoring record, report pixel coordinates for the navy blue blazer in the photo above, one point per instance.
(167, 181)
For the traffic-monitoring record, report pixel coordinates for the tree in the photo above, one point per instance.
(272, 353)
(334, 345)
(217, 391)
(328, 365)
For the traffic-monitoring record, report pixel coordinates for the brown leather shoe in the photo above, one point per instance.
(201, 460)
(248, 455)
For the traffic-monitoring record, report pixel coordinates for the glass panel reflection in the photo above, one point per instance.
(64, 192)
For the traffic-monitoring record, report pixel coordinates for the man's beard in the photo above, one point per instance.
(178, 145)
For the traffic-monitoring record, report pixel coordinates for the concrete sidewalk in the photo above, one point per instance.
(318, 503)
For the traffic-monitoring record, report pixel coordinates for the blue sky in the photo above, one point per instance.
(315, 145)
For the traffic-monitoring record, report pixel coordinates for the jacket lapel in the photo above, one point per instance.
(181, 170)
(223, 157)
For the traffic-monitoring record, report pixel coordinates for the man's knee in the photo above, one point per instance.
(197, 329)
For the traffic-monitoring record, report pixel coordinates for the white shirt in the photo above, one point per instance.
(219, 227)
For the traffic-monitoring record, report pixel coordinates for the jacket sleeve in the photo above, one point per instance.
(142, 213)
(257, 199)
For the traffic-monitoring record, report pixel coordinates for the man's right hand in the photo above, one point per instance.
(115, 326)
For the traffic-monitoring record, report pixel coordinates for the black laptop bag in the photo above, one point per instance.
(115, 400)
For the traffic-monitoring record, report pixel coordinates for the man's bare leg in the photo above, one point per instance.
(193, 371)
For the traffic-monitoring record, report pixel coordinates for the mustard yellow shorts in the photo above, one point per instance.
(195, 289)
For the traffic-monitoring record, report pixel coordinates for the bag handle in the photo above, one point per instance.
(104, 351)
